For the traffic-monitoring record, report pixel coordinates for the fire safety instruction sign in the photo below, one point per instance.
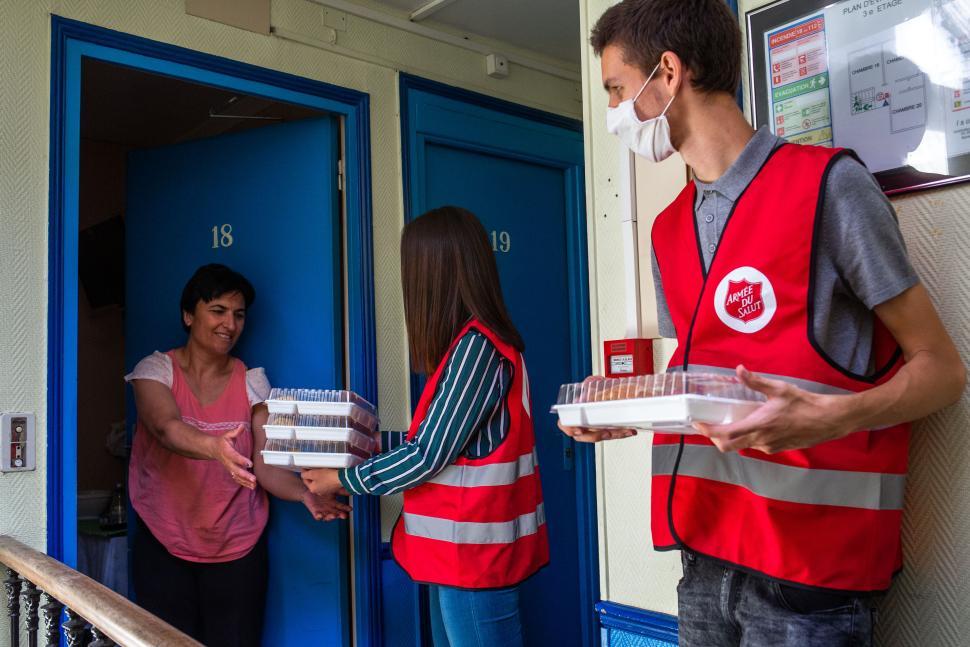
(801, 107)
(889, 79)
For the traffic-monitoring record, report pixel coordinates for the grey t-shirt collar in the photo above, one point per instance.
(739, 175)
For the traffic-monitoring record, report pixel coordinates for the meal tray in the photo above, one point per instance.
(323, 402)
(668, 402)
(291, 426)
(297, 462)
(298, 454)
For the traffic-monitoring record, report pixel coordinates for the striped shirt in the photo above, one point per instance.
(468, 415)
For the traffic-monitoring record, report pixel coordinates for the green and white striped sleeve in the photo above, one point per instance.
(474, 382)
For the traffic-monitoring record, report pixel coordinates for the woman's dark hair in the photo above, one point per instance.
(211, 282)
(449, 275)
(703, 33)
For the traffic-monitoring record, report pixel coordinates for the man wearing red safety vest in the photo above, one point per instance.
(783, 264)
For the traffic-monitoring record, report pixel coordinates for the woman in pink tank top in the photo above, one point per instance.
(196, 479)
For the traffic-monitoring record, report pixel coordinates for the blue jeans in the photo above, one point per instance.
(719, 606)
(475, 618)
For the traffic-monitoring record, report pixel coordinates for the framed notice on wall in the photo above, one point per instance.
(889, 79)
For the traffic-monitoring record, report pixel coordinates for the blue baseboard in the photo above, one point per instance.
(625, 626)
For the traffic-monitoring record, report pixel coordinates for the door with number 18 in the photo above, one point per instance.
(265, 203)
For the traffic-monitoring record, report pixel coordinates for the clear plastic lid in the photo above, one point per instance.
(321, 395)
(320, 422)
(652, 386)
(316, 447)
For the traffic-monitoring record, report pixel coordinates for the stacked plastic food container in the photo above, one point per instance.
(666, 402)
(319, 428)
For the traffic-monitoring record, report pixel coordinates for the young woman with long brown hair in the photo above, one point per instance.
(473, 524)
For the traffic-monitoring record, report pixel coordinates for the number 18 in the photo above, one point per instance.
(225, 240)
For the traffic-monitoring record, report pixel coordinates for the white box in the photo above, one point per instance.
(297, 460)
(666, 402)
(667, 414)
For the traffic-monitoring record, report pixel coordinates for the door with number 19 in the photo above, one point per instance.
(521, 173)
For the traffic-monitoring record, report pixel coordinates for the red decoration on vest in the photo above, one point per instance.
(828, 516)
(480, 523)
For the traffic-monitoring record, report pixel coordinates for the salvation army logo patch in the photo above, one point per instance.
(745, 300)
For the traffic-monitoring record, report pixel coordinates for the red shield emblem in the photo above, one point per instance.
(743, 300)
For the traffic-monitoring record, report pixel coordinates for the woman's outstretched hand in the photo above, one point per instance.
(325, 507)
(223, 449)
(323, 481)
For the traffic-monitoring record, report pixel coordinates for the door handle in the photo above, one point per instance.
(568, 453)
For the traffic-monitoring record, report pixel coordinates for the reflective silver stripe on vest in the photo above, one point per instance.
(807, 385)
(472, 532)
(868, 490)
(487, 475)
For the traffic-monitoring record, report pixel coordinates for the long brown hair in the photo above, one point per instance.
(449, 275)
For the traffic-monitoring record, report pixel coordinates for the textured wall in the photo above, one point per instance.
(24, 101)
(929, 604)
(24, 104)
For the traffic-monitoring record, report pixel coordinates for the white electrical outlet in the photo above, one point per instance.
(18, 444)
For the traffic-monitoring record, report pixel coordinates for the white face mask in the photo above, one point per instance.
(649, 139)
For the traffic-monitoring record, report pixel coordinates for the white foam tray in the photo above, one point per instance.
(667, 414)
(299, 460)
(345, 434)
(349, 409)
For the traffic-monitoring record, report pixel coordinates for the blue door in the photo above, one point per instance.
(264, 202)
(521, 173)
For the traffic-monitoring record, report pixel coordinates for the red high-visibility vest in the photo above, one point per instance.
(480, 522)
(828, 516)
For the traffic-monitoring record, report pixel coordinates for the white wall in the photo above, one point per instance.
(24, 126)
(24, 101)
(631, 572)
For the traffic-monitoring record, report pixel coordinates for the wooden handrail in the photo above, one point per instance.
(124, 622)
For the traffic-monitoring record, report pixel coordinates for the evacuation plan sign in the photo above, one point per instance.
(889, 79)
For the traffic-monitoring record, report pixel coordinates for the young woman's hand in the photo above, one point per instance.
(323, 481)
(325, 507)
(222, 448)
(594, 435)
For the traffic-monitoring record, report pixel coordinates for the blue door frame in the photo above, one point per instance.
(71, 41)
(578, 280)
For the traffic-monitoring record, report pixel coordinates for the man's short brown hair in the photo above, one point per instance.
(703, 33)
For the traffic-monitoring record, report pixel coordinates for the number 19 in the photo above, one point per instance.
(501, 241)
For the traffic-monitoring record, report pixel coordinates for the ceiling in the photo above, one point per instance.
(139, 109)
(549, 27)
(143, 110)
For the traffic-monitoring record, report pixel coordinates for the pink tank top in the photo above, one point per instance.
(193, 507)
